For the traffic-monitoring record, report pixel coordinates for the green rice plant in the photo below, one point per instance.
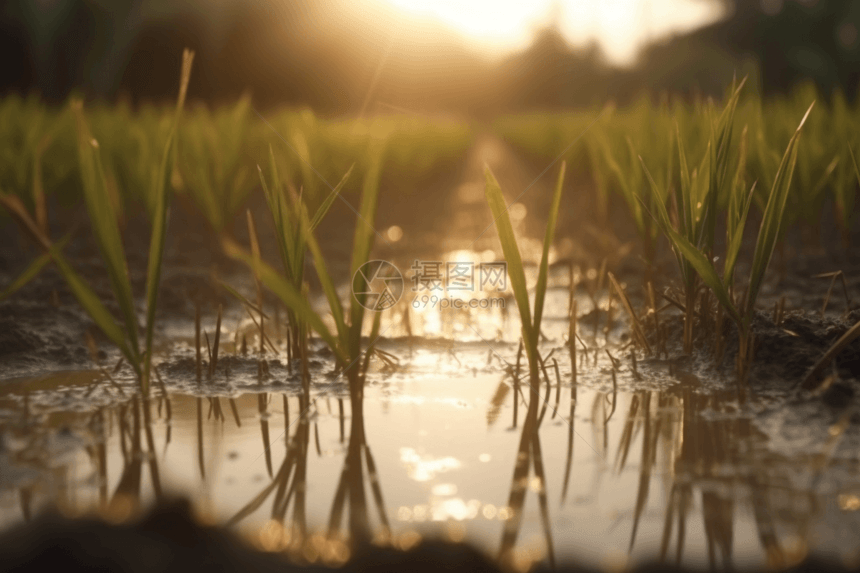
(691, 254)
(106, 231)
(35, 267)
(647, 130)
(530, 326)
(296, 228)
(40, 222)
(695, 202)
(25, 125)
(216, 149)
(286, 209)
(599, 175)
(137, 140)
(416, 147)
(214, 161)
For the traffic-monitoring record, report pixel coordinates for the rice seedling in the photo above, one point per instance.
(39, 219)
(695, 203)
(106, 231)
(296, 230)
(502, 221)
(692, 237)
(289, 218)
(629, 180)
(638, 332)
(212, 162)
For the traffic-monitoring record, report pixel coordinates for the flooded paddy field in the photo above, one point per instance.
(626, 459)
(521, 377)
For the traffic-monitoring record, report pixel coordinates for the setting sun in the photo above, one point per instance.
(489, 21)
(620, 27)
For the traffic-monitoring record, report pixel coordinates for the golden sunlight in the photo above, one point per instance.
(619, 27)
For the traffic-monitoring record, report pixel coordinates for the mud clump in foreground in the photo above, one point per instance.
(169, 539)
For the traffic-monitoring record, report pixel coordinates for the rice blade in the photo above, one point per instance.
(286, 292)
(105, 226)
(362, 244)
(33, 270)
(773, 217)
(329, 200)
(512, 255)
(540, 290)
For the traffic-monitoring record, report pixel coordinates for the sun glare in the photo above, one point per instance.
(620, 27)
(491, 21)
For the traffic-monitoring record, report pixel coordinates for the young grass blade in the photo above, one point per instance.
(662, 219)
(298, 255)
(854, 162)
(362, 244)
(32, 270)
(238, 296)
(540, 289)
(725, 126)
(374, 335)
(216, 345)
(684, 190)
(255, 252)
(89, 300)
(39, 203)
(105, 226)
(94, 307)
(512, 255)
(702, 265)
(159, 218)
(773, 216)
(634, 320)
(738, 185)
(329, 200)
(736, 238)
(286, 292)
(325, 278)
(627, 189)
(280, 217)
(16, 208)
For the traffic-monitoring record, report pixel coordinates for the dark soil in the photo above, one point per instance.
(169, 539)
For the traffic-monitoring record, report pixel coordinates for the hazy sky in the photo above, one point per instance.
(619, 26)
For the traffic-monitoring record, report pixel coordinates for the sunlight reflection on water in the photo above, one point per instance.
(615, 471)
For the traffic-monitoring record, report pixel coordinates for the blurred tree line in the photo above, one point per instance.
(338, 56)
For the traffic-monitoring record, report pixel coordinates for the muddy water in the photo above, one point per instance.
(447, 445)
